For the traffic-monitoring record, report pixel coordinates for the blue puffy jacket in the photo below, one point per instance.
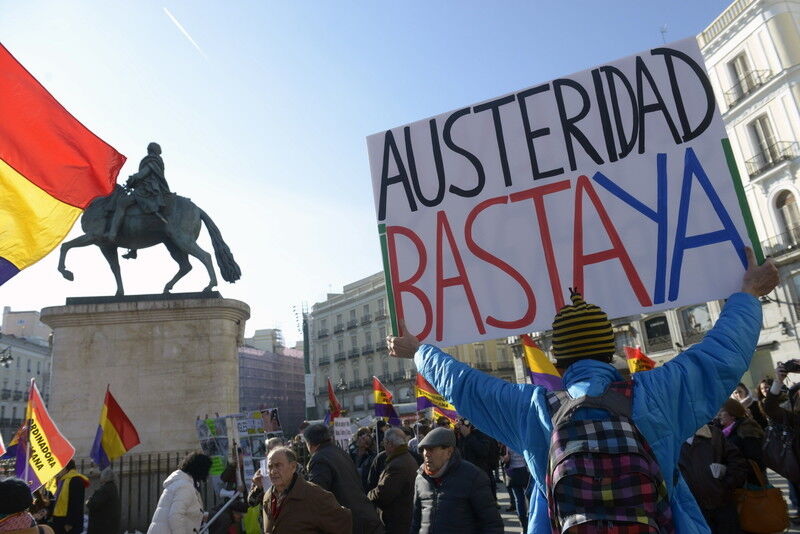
(669, 403)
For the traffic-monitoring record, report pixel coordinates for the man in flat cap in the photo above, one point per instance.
(468, 505)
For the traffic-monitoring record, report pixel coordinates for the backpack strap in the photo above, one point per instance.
(610, 401)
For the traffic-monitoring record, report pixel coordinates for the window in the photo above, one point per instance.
(385, 365)
(370, 367)
(340, 345)
(695, 322)
(338, 318)
(763, 139)
(366, 310)
(480, 353)
(29, 364)
(356, 372)
(325, 350)
(382, 332)
(789, 215)
(2, 412)
(38, 368)
(740, 74)
(354, 342)
(381, 309)
(323, 323)
(657, 334)
(13, 412)
(352, 315)
(368, 337)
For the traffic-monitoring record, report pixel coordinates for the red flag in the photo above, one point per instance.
(336, 408)
(637, 360)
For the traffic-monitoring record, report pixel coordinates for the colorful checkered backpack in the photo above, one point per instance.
(602, 475)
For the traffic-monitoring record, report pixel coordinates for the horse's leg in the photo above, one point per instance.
(81, 241)
(189, 246)
(110, 252)
(183, 264)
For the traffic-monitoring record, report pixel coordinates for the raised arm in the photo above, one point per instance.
(690, 389)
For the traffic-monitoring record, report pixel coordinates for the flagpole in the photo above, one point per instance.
(28, 438)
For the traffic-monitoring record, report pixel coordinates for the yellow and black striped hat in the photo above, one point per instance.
(581, 331)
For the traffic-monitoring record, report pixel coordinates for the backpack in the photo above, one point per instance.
(602, 475)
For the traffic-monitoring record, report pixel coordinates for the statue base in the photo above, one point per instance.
(167, 359)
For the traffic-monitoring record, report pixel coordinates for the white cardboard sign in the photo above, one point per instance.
(617, 180)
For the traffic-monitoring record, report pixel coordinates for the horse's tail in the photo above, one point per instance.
(228, 267)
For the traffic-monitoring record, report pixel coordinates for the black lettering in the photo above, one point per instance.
(401, 177)
(448, 140)
(626, 145)
(643, 73)
(494, 105)
(669, 54)
(568, 124)
(605, 118)
(412, 166)
(530, 135)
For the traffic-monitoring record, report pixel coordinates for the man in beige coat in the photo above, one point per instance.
(394, 494)
(294, 506)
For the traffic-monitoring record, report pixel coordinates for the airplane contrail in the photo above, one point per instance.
(184, 32)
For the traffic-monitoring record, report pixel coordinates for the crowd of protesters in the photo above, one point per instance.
(570, 459)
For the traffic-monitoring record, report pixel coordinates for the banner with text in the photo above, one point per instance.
(618, 180)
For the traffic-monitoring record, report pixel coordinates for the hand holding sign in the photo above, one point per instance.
(759, 280)
(404, 346)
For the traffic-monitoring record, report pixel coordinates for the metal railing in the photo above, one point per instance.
(352, 323)
(354, 353)
(747, 84)
(366, 318)
(775, 154)
(380, 315)
(782, 243)
(658, 343)
(338, 328)
(325, 360)
(367, 349)
(722, 21)
(322, 332)
(339, 356)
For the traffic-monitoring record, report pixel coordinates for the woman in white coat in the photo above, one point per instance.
(180, 508)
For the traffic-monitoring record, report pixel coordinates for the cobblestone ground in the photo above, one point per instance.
(512, 523)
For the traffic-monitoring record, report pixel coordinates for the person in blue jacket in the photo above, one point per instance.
(669, 402)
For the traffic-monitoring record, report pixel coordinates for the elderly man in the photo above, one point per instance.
(644, 421)
(451, 494)
(332, 469)
(294, 506)
(394, 494)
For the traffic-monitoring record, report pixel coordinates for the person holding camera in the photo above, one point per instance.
(789, 418)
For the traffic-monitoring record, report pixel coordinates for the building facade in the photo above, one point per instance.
(22, 360)
(347, 334)
(272, 380)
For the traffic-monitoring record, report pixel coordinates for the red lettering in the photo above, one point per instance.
(617, 250)
(530, 313)
(443, 227)
(407, 286)
(537, 195)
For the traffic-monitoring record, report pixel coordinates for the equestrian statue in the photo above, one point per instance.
(145, 213)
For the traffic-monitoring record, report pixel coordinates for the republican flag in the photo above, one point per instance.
(51, 167)
(383, 402)
(637, 360)
(541, 370)
(335, 407)
(115, 436)
(427, 397)
(42, 451)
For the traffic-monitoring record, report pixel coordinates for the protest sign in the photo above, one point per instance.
(618, 180)
(213, 436)
(271, 421)
(342, 432)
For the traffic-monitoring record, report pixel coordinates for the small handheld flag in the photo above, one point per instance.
(51, 167)
(638, 360)
(383, 402)
(335, 407)
(42, 451)
(542, 372)
(115, 436)
(427, 397)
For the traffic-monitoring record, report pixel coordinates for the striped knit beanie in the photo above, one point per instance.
(581, 331)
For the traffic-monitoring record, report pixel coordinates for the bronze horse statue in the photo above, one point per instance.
(177, 229)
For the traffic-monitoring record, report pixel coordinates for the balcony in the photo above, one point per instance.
(17, 396)
(325, 360)
(774, 155)
(747, 85)
(381, 315)
(322, 332)
(352, 323)
(354, 353)
(483, 366)
(780, 244)
(338, 328)
(5, 394)
(367, 349)
(339, 356)
(366, 318)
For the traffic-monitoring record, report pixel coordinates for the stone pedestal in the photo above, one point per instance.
(167, 359)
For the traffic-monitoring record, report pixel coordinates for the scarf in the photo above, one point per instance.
(276, 501)
(728, 429)
(17, 521)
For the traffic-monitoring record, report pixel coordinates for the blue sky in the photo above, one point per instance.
(263, 114)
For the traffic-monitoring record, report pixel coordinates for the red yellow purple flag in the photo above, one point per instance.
(638, 360)
(428, 397)
(115, 436)
(42, 451)
(335, 407)
(383, 402)
(51, 167)
(542, 372)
